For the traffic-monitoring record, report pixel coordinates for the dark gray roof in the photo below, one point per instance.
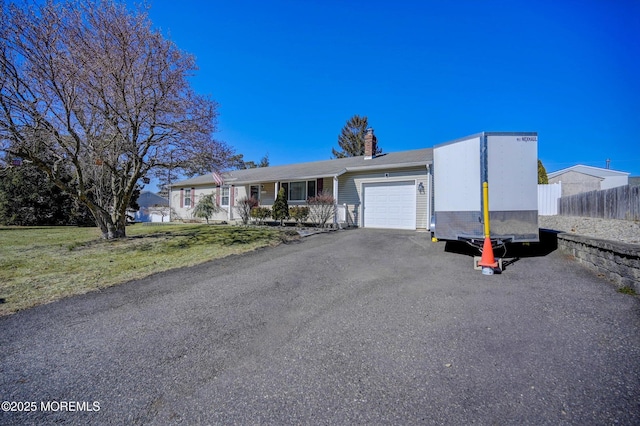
(149, 199)
(318, 169)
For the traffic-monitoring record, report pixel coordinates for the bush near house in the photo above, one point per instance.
(299, 213)
(260, 214)
(244, 207)
(322, 208)
(280, 210)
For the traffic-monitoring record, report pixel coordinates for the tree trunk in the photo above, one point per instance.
(120, 228)
(115, 231)
(110, 229)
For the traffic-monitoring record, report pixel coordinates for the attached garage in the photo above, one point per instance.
(390, 205)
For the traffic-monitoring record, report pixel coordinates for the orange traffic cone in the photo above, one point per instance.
(487, 259)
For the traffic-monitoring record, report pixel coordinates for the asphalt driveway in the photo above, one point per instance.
(360, 326)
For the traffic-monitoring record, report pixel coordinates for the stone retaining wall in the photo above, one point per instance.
(619, 262)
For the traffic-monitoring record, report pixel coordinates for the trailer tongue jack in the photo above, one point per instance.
(487, 261)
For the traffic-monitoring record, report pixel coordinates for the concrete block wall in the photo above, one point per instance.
(619, 262)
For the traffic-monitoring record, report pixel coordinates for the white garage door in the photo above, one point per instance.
(390, 205)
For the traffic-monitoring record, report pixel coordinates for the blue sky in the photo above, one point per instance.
(289, 74)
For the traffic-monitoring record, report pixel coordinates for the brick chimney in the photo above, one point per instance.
(369, 144)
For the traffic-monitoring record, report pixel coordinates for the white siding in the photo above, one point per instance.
(186, 213)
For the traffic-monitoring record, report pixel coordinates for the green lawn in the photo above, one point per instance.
(42, 264)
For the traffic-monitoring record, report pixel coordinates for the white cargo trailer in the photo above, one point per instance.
(509, 163)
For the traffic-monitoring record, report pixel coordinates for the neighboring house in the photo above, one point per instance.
(385, 191)
(579, 178)
(153, 208)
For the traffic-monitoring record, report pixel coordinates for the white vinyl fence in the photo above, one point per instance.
(548, 196)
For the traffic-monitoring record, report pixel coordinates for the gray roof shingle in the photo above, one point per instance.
(149, 199)
(318, 169)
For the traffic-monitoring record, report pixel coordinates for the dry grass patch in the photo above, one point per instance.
(42, 264)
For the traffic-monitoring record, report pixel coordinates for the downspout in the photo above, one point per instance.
(230, 204)
(429, 199)
(335, 200)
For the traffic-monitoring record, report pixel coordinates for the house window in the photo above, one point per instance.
(224, 196)
(299, 190)
(187, 198)
(255, 192)
(311, 188)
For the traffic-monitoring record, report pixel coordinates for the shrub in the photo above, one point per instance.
(322, 207)
(280, 207)
(299, 213)
(244, 207)
(206, 207)
(260, 213)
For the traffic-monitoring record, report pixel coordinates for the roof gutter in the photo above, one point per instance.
(387, 166)
(236, 181)
(283, 179)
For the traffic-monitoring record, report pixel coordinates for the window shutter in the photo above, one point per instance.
(181, 197)
(232, 195)
(319, 185)
(218, 196)
(193, 197)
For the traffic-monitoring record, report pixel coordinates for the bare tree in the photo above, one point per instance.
(97, 99)
(244, 207)
(322, 209)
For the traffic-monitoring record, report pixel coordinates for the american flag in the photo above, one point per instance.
(217, 179)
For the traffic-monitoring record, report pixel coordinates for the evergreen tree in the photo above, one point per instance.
(28, 198)
(264, 161)
(542, 174)
(280, 209)
(237, 162)
(351, 138)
